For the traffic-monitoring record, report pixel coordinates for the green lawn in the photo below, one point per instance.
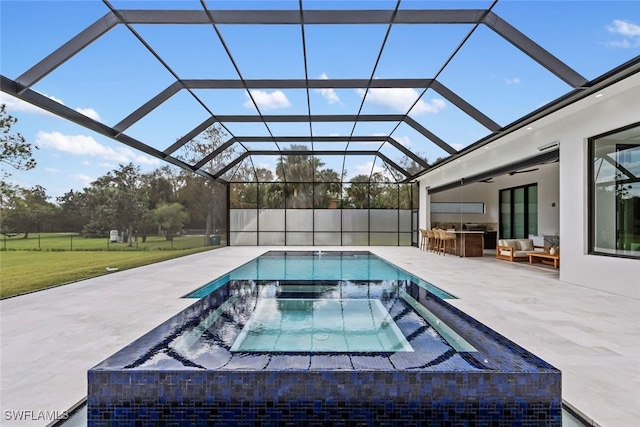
(73, 241)
(24, 271)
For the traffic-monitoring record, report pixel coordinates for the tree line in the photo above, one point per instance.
(162, 201)
(167, 200)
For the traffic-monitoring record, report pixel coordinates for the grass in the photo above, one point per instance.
(25, 271)
(73, 241)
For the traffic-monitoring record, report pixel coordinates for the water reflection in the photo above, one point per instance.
(262, 324)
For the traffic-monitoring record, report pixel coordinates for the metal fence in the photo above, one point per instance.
(77, 242)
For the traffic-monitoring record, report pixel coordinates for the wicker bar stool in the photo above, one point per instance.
(437, 242)
(446, 239)
(449, 239)
(424, 240)
(431, 243)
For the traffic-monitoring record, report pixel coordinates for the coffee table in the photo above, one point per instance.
(544, 258)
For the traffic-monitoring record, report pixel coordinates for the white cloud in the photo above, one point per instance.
(86, 163)
(59, 101)
(625, 28)
(84, 179)
(329, 94)
(365, 168)
(403, 140)
(334, 134)
(51, 170)
(89, 112)
(378, 143)
(17, 105)
(457, 146)
(399, 100)
(629, 30)
(267, 101)
(433, 106)
(83, 145)
(513, 81)
(623, 44)
(107, 165)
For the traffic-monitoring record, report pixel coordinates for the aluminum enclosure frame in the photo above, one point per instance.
(21, 87)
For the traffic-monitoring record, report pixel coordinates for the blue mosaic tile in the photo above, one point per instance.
(156, 381)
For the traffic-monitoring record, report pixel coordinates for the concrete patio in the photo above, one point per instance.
(49, 339)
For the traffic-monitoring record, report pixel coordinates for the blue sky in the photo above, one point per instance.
(117, 74)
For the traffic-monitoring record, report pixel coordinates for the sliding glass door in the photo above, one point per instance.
(519, 212)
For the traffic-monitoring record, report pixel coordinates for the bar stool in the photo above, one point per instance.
(436, 240)
(424, 240)
(431, 243)
(445, 238)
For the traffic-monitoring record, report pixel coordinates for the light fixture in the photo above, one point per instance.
(599, 95)
(529, 128)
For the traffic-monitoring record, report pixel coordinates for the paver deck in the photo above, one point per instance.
(49, 339)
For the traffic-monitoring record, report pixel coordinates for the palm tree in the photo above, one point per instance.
(274, 195)
(327, 188)
(298, 171)
(357, 192)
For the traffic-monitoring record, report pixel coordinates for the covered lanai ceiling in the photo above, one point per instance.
(364, 87)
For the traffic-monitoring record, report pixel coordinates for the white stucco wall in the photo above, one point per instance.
(617, 275)
(572, 126)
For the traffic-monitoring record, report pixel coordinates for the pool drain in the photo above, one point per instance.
(321, 336)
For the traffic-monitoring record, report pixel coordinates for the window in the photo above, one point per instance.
(457, 207)
(614, 193)
(519, 212)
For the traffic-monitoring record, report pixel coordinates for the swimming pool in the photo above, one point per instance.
(326, 351)
(317, 266)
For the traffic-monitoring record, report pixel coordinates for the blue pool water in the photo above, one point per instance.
(320, 325)
(317, 266)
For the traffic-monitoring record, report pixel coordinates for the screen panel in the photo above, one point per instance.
(270, 238)
(327, 239)
(243, 238)
(299, 239)
(327, 219)
(355, 239)
(243, 220)
(384, 239)
(299, 220)
(272, 219)
(355, 220)
(384, 220)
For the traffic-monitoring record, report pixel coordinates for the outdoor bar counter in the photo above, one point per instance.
(470, 243)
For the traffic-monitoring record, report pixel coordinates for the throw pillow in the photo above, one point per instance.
(526, 245)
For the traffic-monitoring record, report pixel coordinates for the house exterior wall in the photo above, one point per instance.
(572, 127)
(611, 274)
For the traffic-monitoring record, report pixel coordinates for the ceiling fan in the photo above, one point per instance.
(487, 180)
(523, 171)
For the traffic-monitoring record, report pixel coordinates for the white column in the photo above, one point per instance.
(424, 214)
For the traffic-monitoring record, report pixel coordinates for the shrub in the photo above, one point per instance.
(95, 229)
